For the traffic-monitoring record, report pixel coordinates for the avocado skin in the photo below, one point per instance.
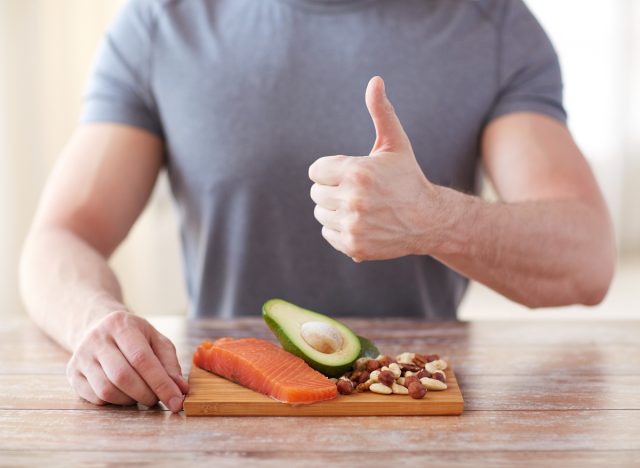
(289, 346)
(368, 348)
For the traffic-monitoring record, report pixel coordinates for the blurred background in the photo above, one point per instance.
(46, 49)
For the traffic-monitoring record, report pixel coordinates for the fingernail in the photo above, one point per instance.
(175, 404)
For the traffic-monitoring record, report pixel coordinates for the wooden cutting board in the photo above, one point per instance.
(211, 395)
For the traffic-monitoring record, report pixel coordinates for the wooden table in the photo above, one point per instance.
(536, 393)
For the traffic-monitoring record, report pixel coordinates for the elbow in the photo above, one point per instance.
(588, 288)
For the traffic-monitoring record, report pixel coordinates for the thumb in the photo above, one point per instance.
(390, 135)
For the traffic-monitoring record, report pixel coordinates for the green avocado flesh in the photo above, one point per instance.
(287, 322)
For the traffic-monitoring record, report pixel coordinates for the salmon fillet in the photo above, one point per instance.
(266, 368)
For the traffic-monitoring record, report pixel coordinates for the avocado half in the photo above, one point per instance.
(367, 348)
(287, 322)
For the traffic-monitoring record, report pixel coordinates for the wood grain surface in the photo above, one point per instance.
(554, 394)
(210, 395)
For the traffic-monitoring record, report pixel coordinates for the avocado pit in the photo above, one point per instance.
(322, 337)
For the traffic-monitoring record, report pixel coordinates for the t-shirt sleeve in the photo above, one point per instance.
(529, 77)
(119, 86)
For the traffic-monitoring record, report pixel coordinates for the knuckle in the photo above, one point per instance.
(356, 204)
(314, 169)
(352, 245)
(359, 176)
(163, 387)
(139, 359)
(166, 342)
(114, 322)
(317, 213)
(122, 378)
(353, 227)
(313, 192)
(106, 392)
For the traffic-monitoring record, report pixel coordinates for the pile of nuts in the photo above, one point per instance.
(408, 374)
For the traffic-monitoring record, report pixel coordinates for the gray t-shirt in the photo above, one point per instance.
(248, 93)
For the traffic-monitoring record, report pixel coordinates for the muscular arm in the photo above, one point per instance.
(95, 193)
(549, 240)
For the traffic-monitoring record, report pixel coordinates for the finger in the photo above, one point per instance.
(103, 388)
(138, 352)
(334, 238)
(390, 136)
(83, 389)
(328, 218)
(326, 196)
(124, 377)
(329, 169)
(166, 353)
(182, 383)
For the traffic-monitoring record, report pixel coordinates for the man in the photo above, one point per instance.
(239, 98)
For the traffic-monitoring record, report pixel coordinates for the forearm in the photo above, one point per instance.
(538, 253)
(66, 284)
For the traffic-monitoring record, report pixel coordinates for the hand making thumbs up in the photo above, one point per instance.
(372, 208)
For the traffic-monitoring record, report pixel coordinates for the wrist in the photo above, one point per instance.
(97, 308)
(445, 220)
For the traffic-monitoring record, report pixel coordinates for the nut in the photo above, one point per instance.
(334, 380)
(374, 375)
(361, 363)
(433, 384)
(409, 374)
(372, 365)
(409, 380)
(395, 368)
(383, 360)
(438, 364)
(386, 377)
(439, 375)
(420, 359)
(409, 367)
(399, 389)
(405, 358)
(400, 380)
(380, 388)
(345, 386)
(363, 387)
(416, 390)
(363, 377)
(423, 373)
(432, 357)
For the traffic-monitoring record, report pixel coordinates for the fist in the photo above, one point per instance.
(370, 207)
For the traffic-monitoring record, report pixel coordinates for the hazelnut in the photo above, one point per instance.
(361, 363)
(345, 386)
(386, 377)
(384, 360)
(432, 357)
(417, 390)
(409, 380)
(364, 376)
(423, 373)
(372, 365)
